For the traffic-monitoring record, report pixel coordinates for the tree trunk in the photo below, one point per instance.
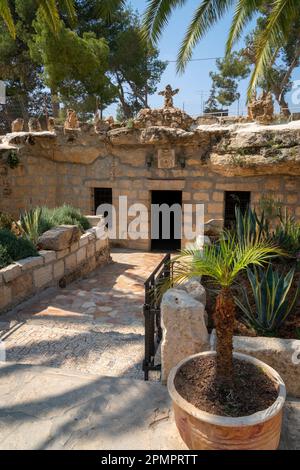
(55, 103)
(224, 322)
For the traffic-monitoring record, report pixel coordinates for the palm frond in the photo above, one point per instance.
(107, 7)
(156, 17)
(205, 16)
(6, 15)
(69, 7)
(274, 36)
(243, 14)
(222, 262)
(48, 9)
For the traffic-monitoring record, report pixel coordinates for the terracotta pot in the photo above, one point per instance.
(204, 431)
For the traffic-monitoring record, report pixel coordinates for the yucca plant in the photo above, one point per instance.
(29, 224)
(222, 263)
(272, 302)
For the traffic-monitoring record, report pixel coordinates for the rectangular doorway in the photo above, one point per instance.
(102, 196)
(166, 228)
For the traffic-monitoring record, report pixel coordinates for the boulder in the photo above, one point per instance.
(59, 238)
(195, 289)
(184, 329)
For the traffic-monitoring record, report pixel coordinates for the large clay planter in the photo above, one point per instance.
(204, 431)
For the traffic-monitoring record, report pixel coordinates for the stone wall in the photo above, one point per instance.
(22, 279)
(184, 325)
(56, 168)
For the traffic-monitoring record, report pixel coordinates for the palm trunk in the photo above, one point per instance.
(224, 322)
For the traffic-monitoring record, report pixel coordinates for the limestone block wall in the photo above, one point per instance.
(56, 169)
(22, 279)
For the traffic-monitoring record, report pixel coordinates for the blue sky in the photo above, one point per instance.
(195, 83)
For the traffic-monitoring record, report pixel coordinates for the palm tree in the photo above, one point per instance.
(50, 10)
(281, 17)
(222, 263)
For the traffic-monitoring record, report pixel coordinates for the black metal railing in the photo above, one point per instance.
(152, 314)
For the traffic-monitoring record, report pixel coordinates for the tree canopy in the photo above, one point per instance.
(90, 64)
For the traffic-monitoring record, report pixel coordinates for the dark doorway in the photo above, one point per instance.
(166, 230)
(233, 199)
(102, 196)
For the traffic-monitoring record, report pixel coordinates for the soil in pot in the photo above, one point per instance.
(252, 390)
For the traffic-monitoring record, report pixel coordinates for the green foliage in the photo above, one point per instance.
(30, 223)
(6, 221)
(13, 160)
(233, 68)
(224, 261)
(250, 228)
(64, 215)
(5, 259)
(272, 303)
(16, 247)
(287, 234)
(281, 27)
(270, 207)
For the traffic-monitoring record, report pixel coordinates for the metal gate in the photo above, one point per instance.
(153, 331)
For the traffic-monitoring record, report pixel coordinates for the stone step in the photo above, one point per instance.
(48, 408)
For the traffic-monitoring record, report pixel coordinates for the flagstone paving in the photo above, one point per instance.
(95, 325)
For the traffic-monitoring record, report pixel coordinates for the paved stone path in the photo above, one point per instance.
(72, 376)
(95, 325)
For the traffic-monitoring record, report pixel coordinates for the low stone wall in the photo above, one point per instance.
(281, 354)
(22, 279)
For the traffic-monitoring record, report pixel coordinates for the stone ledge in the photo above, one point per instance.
(281, 354)
(23, 279)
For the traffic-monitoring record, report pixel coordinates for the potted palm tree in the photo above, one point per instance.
(226, 400)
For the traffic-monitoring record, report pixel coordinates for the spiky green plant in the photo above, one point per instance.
(273, 304)
(222, 263)
(287, 233)
(29, 224)
(250, 228)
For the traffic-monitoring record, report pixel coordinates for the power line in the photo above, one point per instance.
(196, 60)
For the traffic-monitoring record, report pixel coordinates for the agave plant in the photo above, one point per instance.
(273, 303)
(222, 263)
(250, 227)
(29, 224)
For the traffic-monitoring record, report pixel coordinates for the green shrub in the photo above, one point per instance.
(272, 302)
(5, 259)
(6, 221)
(287, 234)
(17, 247)
(64, 215)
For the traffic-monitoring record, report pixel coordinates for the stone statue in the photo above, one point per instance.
(34, 125)
(51, 124)
(168, 94)
(97, 118)
(71, 122)
(261, 109)
(17, 125)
